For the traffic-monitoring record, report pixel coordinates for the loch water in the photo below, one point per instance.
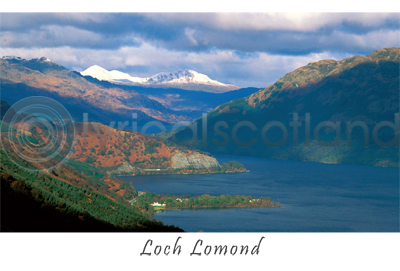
(316, 197)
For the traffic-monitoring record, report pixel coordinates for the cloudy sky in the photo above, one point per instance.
(245, 49)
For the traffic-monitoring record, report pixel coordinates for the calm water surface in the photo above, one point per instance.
(316, 197)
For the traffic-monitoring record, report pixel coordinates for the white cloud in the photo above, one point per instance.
(189, 34)
(259, 69)
(77, 48)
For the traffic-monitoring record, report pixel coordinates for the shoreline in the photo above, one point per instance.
(230, 207)
(278, 205)
(183, 173)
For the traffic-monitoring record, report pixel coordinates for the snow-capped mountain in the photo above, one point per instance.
(112, 76)
(183, 79)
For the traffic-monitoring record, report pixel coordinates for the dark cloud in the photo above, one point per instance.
(78, 30)
(294, 42)
(245, 49)
(190, 32)
(58, 36)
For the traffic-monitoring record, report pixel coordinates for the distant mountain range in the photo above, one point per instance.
(22, 78)
(356, 89)
(363, 89)
(182, 79)
(186, 102)
(102, 100)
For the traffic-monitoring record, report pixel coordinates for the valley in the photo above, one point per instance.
(77, 186)
(270, 135)
(95, 173)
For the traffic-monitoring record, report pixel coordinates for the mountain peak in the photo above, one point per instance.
(183, 78)
(45, 59)
(181, 75)
(11, 58)
(102, 74)
(95, 67)
(42, 64)
(316, 71)
(388, 53)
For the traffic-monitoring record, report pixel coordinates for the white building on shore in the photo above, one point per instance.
(157, 204)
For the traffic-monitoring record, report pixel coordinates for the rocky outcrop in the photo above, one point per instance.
(195, 160)
(179, 160)
(125, 169)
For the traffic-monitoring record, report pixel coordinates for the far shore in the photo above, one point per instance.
(181, 173)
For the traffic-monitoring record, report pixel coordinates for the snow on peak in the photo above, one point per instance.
(181, 76)
(44, 59)
(185, 78)
(103, 74)
(98, 72)
(11, 58)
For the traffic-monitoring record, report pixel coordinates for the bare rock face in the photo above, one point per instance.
(194, 160)
(179, 160)
(124, 169)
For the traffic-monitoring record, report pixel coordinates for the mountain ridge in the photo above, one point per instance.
(355, 89)
(313, 72)
(184, 79)
(22, 78)
(188, 102)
